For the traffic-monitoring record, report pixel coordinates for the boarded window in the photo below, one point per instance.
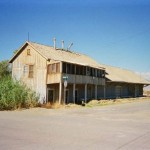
(54, 68)
(58, 67)
(31, 67)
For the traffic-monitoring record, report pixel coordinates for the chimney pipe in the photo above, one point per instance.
(54, 40)
(62, 42)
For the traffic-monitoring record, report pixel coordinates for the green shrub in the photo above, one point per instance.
(14, 95)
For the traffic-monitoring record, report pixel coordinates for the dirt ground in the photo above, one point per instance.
(111, 127)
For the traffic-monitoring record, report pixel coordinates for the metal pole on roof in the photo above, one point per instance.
(28, 37)
(54, 40)
(62, 44)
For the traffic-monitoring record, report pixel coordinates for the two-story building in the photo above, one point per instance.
(65, 76)
(45, 69)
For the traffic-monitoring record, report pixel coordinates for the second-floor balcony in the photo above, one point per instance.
(78, 74)
(77, 79)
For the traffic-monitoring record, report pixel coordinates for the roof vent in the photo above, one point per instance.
(62, 42)
(69, 46)
(54, 40)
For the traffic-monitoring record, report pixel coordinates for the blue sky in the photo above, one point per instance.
(113, 32)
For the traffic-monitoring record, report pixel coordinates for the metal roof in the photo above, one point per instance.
(115, 74)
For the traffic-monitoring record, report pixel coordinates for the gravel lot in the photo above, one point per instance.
(113, 127)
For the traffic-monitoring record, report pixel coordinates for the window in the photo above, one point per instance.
(25, 70)
(98, 73)
(31, 71)
(88, 71)
(28, 51)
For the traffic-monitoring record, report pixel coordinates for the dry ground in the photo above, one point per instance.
(110, 127)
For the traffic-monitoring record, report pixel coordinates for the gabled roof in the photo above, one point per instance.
(49, 52)
(115, 74)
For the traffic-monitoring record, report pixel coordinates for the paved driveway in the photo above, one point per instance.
(115, 127)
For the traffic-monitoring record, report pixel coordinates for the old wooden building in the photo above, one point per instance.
(123, 83)
(65, 76)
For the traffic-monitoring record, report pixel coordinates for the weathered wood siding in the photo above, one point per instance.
(126, 90)
(78, 79)
(38, 82)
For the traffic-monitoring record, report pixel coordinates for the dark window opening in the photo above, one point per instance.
(64, 68)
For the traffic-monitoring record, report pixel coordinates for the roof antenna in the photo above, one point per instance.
(69, 46)
(28, 37)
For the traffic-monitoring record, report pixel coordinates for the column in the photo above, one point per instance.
(104, 91)
(60, 84)
(60, 92)
(85, 93)
(74, 87)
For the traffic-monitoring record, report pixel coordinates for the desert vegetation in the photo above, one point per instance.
(14, 94)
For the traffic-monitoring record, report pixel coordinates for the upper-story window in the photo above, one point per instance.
(28, 52)
(28, 71)
(82, 70)
(54, 68)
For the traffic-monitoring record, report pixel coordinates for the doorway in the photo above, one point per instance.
(118, 91)
(76, 96)
(67, 96)
(51, 96)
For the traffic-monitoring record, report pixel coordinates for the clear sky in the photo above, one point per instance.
(113, 32)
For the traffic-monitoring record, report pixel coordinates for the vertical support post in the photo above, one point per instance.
(95, 91)
(64, 95)
(85, 93)
(135, 91)
(60, 84)
(74, 87)
(60, 92)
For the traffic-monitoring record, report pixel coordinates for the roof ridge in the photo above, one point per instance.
(118, 67)
(40, 44)
(57, 48)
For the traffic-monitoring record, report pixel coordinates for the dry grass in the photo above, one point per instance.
(72, 106)
(146, 93)
(93, 103)
(59, 106)
(52, 106)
